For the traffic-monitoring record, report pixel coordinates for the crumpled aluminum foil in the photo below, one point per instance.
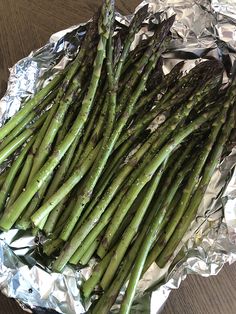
(211, 240)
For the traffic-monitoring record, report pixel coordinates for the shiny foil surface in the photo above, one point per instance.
(211, 239)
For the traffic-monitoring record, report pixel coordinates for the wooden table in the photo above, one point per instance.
(26, 25)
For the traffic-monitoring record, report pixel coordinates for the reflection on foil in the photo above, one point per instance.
(211, 239)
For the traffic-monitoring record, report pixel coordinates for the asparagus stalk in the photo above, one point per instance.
(191, 212)
(89, 38)
(112, 82)
(20, 139)
(41, 134)
(165, 201)
(158, 203)
(108, 298)
(92, 236)
(110, 295)
(55, 242)
(68, 165)
(24, 222)
(101, 186)
(157, 223)
(109, 143)
(55, 221)
(135, 24)
(72, 86)
(64, 167)
(140, 182)
(56, 122)
(146, 102)
(90, 140)
(155, 44)
(102, 158)
(166, 195)
(52, 246)
(22, 201)
(85, 54)
(132, 229)
(194, 203)
(94, 217)
(112, 168)
(191, 184)
(3, 176)
(171, 125)
(106, 301)
(94, 232)
(23, 124)
(52, 218)
(97, 273)
(89, 253)
(12, 173)
(30, 105)
(22, 179)
(65, 189)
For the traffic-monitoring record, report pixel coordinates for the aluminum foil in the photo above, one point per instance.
(211, 239)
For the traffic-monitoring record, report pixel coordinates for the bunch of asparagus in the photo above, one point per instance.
(96, 169)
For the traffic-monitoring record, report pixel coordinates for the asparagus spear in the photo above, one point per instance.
(42, 132)
(30, 105)
(90, 284)
(132, 229)
(135, 24)
(171, 98)
(99, 165)
(19, 205)
(24, 221)
(145, 176)
(12, 173)
(96, 231)
(21, 139)
(68, 165)
(147, 101)
(46, 144)
(109, 297)
(89, 39)
(97, 273)
(155, 44)
(27, 174)
(192, 182)
(89, 253)
(22, 179)
(174, 121)
(94, 217)
(113, 166)
(97, 168)
(3, 176)
(23, 124)
(191, 212)
(52, 246)
(169, 79)
(64, 102)
(164, 197)
(194, 203)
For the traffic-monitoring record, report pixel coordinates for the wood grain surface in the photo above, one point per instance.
(26, 25)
